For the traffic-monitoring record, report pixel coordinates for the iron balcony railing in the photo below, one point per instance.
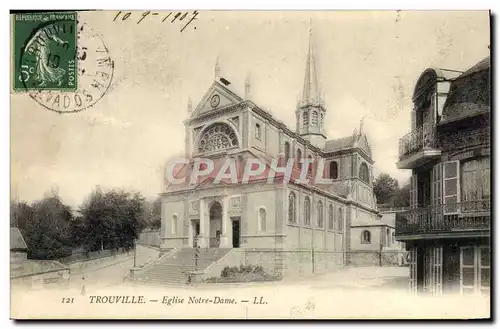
(464, 216)
(418, 139)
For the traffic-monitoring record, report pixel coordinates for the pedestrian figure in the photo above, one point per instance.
(83, 286)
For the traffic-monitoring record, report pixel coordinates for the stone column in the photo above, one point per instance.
(224, 238)
(204, 223)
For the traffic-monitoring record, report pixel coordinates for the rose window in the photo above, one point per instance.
(218, 137)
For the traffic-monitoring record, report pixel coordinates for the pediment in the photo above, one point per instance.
(218, 96)
(363, 144)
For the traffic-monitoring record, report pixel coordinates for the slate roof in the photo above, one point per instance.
(339, 143)
(16, 240)
(469, 93)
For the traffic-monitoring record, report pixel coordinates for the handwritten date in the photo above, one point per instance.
(171, 17)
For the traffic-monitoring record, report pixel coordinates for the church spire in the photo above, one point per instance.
(311, 94)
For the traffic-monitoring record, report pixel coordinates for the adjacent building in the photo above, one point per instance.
(447, 229)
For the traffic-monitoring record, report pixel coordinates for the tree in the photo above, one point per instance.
(385, 187)
(47, 231)
(112, 219)
(401, 198)
(153, 213)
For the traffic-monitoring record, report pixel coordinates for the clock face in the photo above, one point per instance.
(215, 100)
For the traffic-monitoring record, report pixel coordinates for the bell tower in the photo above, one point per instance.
(311, 110)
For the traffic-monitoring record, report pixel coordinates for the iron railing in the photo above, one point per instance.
(418, 139)
(464, 216)
(214, 242)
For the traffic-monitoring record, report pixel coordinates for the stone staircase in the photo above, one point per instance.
(175, 268)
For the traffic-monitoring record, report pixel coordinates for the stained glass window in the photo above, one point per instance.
(218, 137)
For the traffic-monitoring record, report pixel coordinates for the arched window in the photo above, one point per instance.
(388, 237)
(330, 217)
(292, 208)
(287, 152)
(299, 158)
(305, 119)
(217, 137)
(310, 165)
(363, 173)
(366, 237)
(307, 211)
(262, 219)
(320, 214)
(314, 118)
(334, 170)
(174, 224)
(340, 220)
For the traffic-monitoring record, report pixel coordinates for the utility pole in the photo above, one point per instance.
(135, 252)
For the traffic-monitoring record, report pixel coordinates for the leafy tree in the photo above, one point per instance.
(401, 198)
(385, 187)
(20, 214)
(112, 219)
(46, 228)
(153, 214)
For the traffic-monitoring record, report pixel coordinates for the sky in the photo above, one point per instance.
(367, 61)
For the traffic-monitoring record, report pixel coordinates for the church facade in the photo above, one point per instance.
(287, 226)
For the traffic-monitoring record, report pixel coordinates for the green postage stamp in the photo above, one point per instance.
(45, 50)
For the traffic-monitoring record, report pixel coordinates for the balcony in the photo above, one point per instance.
(466, 219)
(418, 147)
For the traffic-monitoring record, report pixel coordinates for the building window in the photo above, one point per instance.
(305, 119)
(174, 223)
(330, 217)
(320, 214)
(292, 208)
(388, 237)
(475, 270)
(262, 219)
(340, 220)
(314, 118)
(287, 152)
(257, 131)
(334, 170)
(217, 137)
(364, 175)
(307, 211)
(475, 184)
(366, 237)
(299, 158)
(310, 165)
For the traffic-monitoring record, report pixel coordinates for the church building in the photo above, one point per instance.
(290, 228)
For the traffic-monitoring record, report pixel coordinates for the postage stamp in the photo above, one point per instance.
(94, 75)
(45, 50)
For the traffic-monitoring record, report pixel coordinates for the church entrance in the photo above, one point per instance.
(215, 224)
(236, 232)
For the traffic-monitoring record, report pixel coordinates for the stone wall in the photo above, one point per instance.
(376, 258)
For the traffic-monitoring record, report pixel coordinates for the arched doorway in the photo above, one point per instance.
(215, 224)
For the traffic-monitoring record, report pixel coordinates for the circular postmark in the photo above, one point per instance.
(94, 68)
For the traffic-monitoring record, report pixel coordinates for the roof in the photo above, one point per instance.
(469, 94)
(16, 239)
(339, 143)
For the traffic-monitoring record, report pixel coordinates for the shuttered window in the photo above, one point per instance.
(475, 179)
(451, 187)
